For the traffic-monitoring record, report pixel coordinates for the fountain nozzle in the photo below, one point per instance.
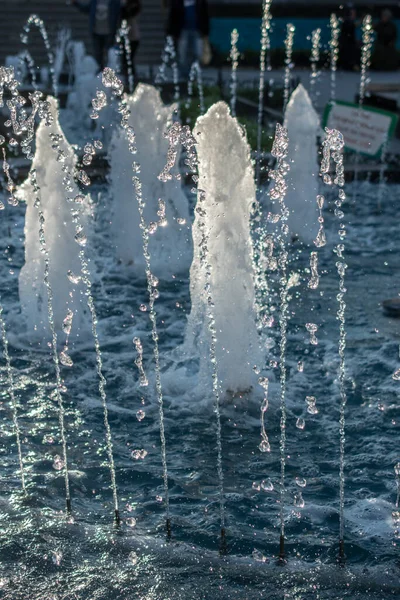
(223, 549)
(342, 556)
(117, 518)
(281, 558)
(168, 526)
(69, 506)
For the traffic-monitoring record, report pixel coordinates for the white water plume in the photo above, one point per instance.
(166, 208)
(59, 230)
(303, 126)
(227, 198)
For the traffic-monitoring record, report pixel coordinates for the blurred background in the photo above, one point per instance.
(225, 16)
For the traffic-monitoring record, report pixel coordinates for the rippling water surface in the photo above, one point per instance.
(44, 556)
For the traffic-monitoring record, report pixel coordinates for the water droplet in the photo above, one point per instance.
(73, 278)
(143, 307)
(67, 323)
(152, 228)
(56, 558)
(138, 454)
(65, 359)
(81, 238)
(140, 415)
(58, 463)
(256, 486)
(301, 482)
(264, 446)
(133, 558)
(300, 366)
(258, 556)
(396, 375)
(131, 522)
(300, 423)
(299, 500)
(159, 499)
(267, 485)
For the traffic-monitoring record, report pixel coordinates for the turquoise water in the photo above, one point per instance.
(43, 556)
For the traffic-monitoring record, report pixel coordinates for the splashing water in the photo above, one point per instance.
(314, 279)
(303, 125)
(320, 240)
(314, 59)
(169, 58)
(12, 199)
(278, 192)
(38, 22)
(125, 48)
(290, 31)
(234, 56)
(312, 329)
(334, 52)
(86, 281)
(196, 73)
(265, 46)
(166, 208)
(366, 51)
(143, 381)
(67, 324)
(224, 216)
(13, 401)
(27, 59)
(151, 283)
(264, 445)
(333, 147)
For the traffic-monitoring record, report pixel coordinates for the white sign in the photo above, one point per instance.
(364, 130)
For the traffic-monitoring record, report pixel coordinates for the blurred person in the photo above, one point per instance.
(189, 24)
(349, 49)
(104, 20)
(385, 56)
(130, 10)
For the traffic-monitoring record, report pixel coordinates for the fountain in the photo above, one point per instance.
(59, 231)
(226, 308)
(225, 212)
(166, 206)
(303, 126)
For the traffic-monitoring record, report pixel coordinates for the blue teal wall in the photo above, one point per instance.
(249, 32)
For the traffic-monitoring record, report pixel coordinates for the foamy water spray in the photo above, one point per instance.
(333, 147)
(290, 31)
(278, 193)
